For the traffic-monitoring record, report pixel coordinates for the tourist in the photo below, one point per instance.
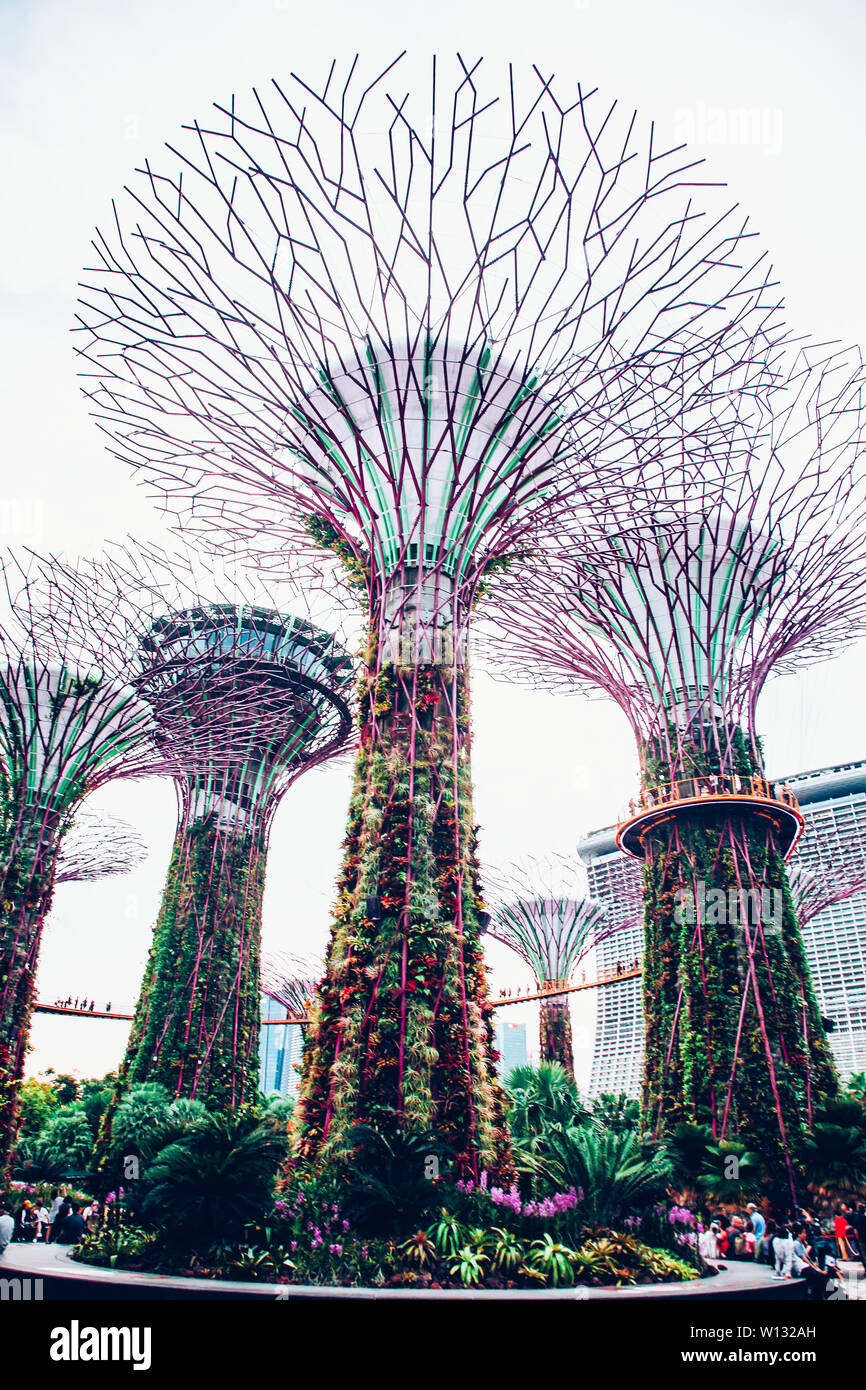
(71, 1228)
(783, 1253)
(708, 1242)
(840, 1233)
(764, 1251)
(42, 1222)
(858, 1221)
(26, 1226)
(758, 1223)
(736, 1239)
(56, 1203)
(60, 1216)
(749, 1241)
(7, 1226)
(805, 1266)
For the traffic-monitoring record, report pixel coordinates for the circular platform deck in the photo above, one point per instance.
(693, 801)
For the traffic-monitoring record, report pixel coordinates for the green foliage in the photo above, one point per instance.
(616, 1112)
(836, 1157)
(66, 1089)
(146, 1119)
(550, 1261)
(616, 1174)
(124, 1247)
(38, 1101)
(388, 1187)
(468, 1265)
(856, 1085)
(214, 1180)
(62, 1148)
(730, 1173)
(541, 1100)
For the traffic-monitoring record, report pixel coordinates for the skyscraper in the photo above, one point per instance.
(833, 802)
(615, 879)
(279, 1050)
(511, 1042)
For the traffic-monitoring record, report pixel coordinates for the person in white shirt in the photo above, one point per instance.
(42, 1218)
(783, 1254)
(7, 1226)
(708, 1244)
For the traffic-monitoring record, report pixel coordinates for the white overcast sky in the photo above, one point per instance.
(770, 91)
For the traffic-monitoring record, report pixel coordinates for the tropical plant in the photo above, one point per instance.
(124, 1247)
(468, 1265)
(856, 1086)
(506, 1250)
(616, 1112)
(37, 1103)
(731, 1173)
(539, 1097)
(214, 1180)
(447, 1235)
(387, 1187)
(611, 1167)
(62, 1148)
(835, 1156)
(551, 1261)
(419, 1249)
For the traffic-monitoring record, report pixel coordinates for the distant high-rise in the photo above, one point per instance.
(615, 879)
(833, 802)
(511, 1043)
(279, 1050)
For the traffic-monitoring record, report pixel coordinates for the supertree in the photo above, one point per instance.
(542, 912)
(378, 323)
(291, 981)
(747, 559)
(98, 845)
(69, 722)
(245, 698)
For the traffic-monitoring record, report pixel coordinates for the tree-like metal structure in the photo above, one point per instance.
(98, 845)
(379, 322)
(69, 721)
(542, 912)
(292, 981)
(245, 698)
(680, 614)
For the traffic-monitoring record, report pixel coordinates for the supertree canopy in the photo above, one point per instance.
(70, 720)
(291, 981)
(379, 324)
(680, 614)
(98, 845)
(244, 699)
(542, 911)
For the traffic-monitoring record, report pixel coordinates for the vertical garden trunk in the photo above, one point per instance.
(555, 1033)
(25, 897)
(196, 1026)
(734, 1038)
(402, 1036)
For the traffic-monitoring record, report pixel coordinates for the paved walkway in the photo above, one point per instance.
(53, 1264)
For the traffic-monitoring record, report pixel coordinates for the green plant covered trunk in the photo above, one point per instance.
(555, 1033)
(27, 887)
(196, 1025)
(734, 1037)
(402, 1037)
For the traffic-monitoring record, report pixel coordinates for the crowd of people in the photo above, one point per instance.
(61, 1223)
(83, 1005)
(800, 1245)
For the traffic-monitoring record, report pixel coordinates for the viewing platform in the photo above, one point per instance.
(697, 797)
